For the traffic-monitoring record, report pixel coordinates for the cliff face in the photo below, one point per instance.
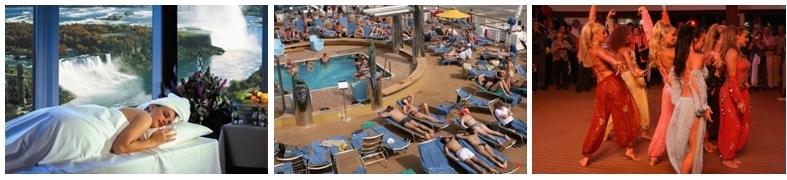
(193, 45)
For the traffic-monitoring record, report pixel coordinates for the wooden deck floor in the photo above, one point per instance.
(442, 81)
(559, 133)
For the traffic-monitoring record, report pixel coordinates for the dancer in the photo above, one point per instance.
(714, 82)
(734, 96)
(689, 95)
(662, 55)
(612, 98)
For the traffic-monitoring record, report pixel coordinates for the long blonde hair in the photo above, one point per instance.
(729, 40)
(714, 34)
(657, 42)
(586, 42)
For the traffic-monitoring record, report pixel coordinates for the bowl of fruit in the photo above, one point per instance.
(251, 106)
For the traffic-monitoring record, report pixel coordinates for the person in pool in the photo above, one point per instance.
(324, 59)
(407, 121)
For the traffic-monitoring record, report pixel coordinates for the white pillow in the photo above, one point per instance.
(185, 131)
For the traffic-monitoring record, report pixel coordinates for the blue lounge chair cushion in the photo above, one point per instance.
(285, 168)
(433, 159)
(398, 145)
(472, 99)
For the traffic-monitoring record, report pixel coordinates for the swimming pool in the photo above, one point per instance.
(340, 68)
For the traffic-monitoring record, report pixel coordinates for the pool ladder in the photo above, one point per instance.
(387, 67)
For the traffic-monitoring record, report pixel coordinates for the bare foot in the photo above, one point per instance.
(630, 154)
(736, 161)
(729, 164)
(708, 147)
(505, 164)
(654, 161)
(584, 162)
(495, 171)
(646, 135)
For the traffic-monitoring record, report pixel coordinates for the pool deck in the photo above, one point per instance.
(439, 86)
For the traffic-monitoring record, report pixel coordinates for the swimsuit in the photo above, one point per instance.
(465, 154)
(405, 120)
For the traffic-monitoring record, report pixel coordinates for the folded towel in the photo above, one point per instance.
(181, 106)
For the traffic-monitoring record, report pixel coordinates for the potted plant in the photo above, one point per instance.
(210, 105)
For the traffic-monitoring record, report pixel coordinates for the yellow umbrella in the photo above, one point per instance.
(453, 14)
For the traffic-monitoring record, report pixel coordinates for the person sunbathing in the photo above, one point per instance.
(468, 122)
(481, 147)
(422, 113)
(407, 122)
(495, 83)
(465, 155)
(359, 32)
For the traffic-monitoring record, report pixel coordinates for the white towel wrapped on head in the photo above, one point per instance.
(180, 105)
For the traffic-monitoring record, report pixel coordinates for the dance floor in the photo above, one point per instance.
(561, 120)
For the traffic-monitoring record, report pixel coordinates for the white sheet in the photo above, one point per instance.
(198, 156)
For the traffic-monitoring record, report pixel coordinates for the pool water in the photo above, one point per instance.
(324, 76)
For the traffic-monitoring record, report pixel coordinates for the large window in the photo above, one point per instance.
(18, 60)
(228, 39)
(105, 55)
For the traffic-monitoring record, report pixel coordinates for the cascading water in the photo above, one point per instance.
(230, 30)
(227, 26)
(99, 82)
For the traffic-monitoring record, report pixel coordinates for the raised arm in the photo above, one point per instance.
(664, 15)
(610, 22)
(647, 24)
(592, 15)
(128, 139)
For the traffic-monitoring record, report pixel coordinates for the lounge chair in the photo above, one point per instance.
(372, 147)
(366, 31)
(477, 72)
(347, 162)
(464, 96)
(319, 157)
(520, 128)
(359, 91)
(329, 34)
(388, 120)
(283, 168)
(316, 43)
(282, 39)
(433, 158)
(511, 167)
(398, 144)
(299, 26)
(514, 99)
(492, 142)
(351, 28)
(463, 24)
(318, 22)
(444, 61)
(278, 47)
(343, 21)
(297, 164)
(434, 125)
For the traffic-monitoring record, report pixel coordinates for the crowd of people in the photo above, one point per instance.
(707, 76)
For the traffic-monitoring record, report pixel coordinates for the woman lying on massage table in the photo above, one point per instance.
(48, 135)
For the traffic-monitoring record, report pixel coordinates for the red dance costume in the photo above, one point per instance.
(612, 98)
(734, 125)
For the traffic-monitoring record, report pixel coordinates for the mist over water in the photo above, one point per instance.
(230, 30)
